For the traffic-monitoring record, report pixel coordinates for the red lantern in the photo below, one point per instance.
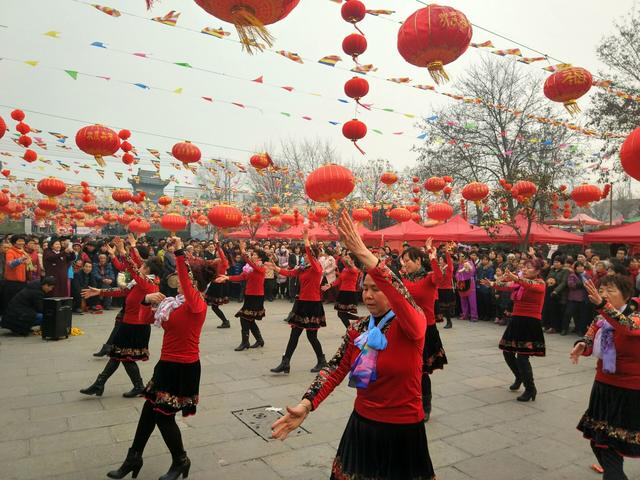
(225, 216)
(4, 199)
(353, 11)
(288, 219)
(360, 214)
(139, 226)
(124, 219)
(356, 88)
(128, 159)
(124, 134)
(275, 221)
(90, 208)
(126, 147)
(355, 130)
(186, 152)
(98, 141)
(202, 221)
(400, 214)
(475, 192)
(415, 179)
(23, 128)
(447, 179)
(40, 213)
(3, 127)
(567, 85)
(185, 202)
(434, 36)
(329, 183)
(447, 190)
(524, 189)
(129, 211)
(173, 222)
(435, 184)
(17, 115)
(275, 210)
(584, 194)
(164, 201)
(440, 211)
(87, 198)
(630, 154)
(51, 187)
(48, 204)
(25, 141)
(261, 161)
(416, 190)
(322, 213)
(122, 196)
(388, 178)
(30, 156)
(354, 45)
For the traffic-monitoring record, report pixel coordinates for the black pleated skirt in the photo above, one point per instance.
(433, 355)
(252, 308)
(174, 387)
(347, 302)
(613, 419)
(372, 450)
(446, 302)
(524, 335)
(308, 315)
(216, 294)
(131, 343)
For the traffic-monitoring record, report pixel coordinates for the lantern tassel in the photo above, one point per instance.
(572, 107)
(100, 161)
(358, 29)
(358, 147)
(367, 107)
(251, 30)
(436, 69)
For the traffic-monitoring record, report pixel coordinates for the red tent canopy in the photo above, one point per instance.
(539, 234)
(323, 232)
(629, 233)
(293, 232)
(400, 231)
(263, 232)
(579, 219)
(457, 229)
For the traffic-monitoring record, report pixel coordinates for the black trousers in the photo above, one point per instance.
(581, 313)
(611, 463)
(168, 428)
(485, 305)
(312, 336)
(554, 313)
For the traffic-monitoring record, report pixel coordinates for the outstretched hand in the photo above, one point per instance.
(289, 422)
(577, 352)
(353, 242)
(592, 291)
(90, 292)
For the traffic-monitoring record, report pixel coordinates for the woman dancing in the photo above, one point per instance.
(131, 340)
(175, 383)
(523, 336)
(446, 303)
(347, 283)
(385, 436)
(216, 291)
(612, 420)
(308, 312)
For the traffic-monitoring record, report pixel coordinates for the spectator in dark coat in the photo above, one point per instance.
(104, 276)
(82, 280)
(25, 309)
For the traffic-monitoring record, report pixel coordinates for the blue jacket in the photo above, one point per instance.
(98, 276)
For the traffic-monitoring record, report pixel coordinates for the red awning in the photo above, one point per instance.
(456, 230)
(629, 233)
(400, 231)
(539, 234)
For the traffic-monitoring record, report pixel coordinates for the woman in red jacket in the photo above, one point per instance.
(308, 312)
(175, 384)
(612, 420)
(215, 293)
(385, 437)
(423, 287)
(253, 308)
(523, 336)
(446, 303)
(131, 341)
(347, 283)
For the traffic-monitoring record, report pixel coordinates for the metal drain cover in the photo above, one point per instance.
(260, 419)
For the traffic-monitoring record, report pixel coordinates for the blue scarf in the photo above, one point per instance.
(370, 342)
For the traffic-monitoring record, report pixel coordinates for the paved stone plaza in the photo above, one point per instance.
(478, 430)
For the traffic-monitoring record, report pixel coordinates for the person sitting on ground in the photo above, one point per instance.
(25, 309)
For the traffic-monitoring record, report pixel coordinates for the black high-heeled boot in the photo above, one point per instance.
(179, 466)
(134, 374)
(257, 334)
(132, 464)
(284, 366)
(244, 344)
(515, 385)
(96, 388)
(103, 351)
(322, 362)
(526, 373)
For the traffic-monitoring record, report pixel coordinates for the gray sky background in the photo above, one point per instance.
(569, 30)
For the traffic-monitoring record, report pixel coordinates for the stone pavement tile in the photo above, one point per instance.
(13, 450)
(36, 428)
(72, 409)
(242, 385)
(444, 454)
(574, 394)
(510, 410)
(451, 473)
(301, 461)
(103, 418)
(563, 381)
(10, 391)
(253, 469)
(446, 389)
(469, 420)
(481, 441)
(493, 395)
(29, 401)
(59, 442)
(570, 472)
(499, 466)
(485, 381)
(437, 430)
(458, 403)
(567, 419)
(231, 401)
(124, 432)
(9, 417)
(546, 452)
(113, 455)
(247, 449)
(199, 437)
(321, 432)
(39, 466)
(113, 399)
(59, 385)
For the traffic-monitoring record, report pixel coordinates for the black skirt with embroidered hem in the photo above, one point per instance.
(131, 343)
(371, 450)
(613, 419)
(347, 302)
(433, 355)
(174, 388)
(446, 303)
(216, 294)
(524, 335)
(308, 315)
(252, 308)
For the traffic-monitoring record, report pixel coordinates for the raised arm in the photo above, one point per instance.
(224, 262)
(193, 298)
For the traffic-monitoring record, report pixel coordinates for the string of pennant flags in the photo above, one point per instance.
(172, 17)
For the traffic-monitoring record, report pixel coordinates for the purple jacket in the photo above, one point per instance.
(577, 293)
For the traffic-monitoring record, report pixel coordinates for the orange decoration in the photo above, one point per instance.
(360, 214)
(139, 226)
(389, 178)
(435, 184)
(48, 204)
(165, 200)
(440, 211)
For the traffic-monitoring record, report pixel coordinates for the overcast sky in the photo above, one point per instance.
(568, 30)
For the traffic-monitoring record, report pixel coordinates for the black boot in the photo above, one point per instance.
(134, 374)
(224, 324)
(244, 344)
(526, 373)
(284, 366)
(103, 351)
(258, 336)
(426, 406)
(97, 387)
(449, 324)
(510, 358)
(179, 466)
(133, 464)
(322, 362)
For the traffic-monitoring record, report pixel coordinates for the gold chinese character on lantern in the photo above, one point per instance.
(453, 20)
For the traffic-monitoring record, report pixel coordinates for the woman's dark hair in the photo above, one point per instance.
(315, 250)
(203, 271)
(155, 266)
(143, 251)
(578, 264)
(355, 260)
(414, 254)
(536, 263)
(15, 238)
(621, 282)
(559, 258)
(262, 255)
(48, 281)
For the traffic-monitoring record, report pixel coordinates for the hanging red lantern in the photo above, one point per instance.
(585, 194)
(329, 183)
(3, 127)
(354, 11)
(275, 210)
(321, 213)
(475, 192)
(388, 178)
(185, 202)
(355, 130)
(129, 211)
(416, 190)
(186, 152)
(225, 216)
(17, 115)
(98, 141)
(524, 189)
(354, 45)
(126, 147)
(202, 221)
(567, 85)
(606, 191)
(447, 190)
(48, 204)
(30, 156)
(356, 88)
(415, 179)
(173, 222)
(90, 209)
(122, 196)
(128, 159)
(87, 198)
(275, 221)
(51, 187)
(78, 216)
(137, 198)
(630, 154)
(23, 128)
(447, 179)
(25, 141)
(435, 184)
(124, 219)
(139, 226)
(124, 134)
(165, 200)
(434, 36)
(440, 211)
(261, 161)
(4, 199)
(288, 219)
(400, 214)
(39, 213)
(360, 214)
